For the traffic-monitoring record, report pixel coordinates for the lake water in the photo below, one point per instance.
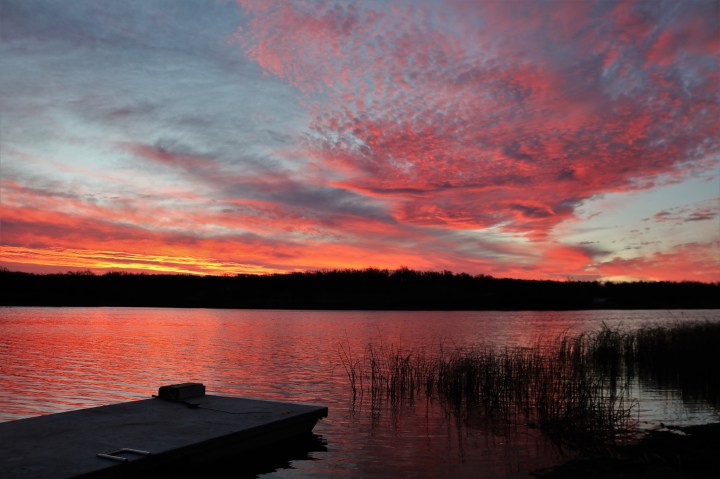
(58, 359)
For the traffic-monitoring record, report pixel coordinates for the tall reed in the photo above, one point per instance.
(576, 388)
(683, 356)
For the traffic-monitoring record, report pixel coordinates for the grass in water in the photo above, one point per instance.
(575, 388)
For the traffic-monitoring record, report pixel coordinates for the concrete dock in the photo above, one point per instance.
(138, 437)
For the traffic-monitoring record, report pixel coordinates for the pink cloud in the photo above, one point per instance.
(464, 125)
(441, 135)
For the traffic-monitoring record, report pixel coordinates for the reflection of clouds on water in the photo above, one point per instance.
(55, 359)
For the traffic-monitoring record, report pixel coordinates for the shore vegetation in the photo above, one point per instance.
(575, 388)
(345, 289)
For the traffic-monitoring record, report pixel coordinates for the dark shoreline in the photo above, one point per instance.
(674, 452)
(368, 289)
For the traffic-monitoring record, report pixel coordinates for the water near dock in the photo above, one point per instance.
(60, 359)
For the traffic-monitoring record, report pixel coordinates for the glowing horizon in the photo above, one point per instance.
(547, 140)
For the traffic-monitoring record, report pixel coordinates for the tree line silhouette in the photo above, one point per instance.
(347, 289)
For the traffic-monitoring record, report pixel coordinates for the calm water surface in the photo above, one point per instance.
(58, 359)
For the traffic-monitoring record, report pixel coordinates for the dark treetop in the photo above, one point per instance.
(347, 289)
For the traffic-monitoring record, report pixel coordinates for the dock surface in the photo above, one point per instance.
(65, 445)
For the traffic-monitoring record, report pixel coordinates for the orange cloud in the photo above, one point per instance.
(688, 262)
(435, 135)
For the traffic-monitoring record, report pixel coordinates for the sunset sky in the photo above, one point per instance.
(521, 138)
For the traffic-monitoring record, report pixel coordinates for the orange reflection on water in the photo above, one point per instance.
(55, 359)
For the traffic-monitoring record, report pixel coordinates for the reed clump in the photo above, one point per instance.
(683, 356)
(575, 388)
